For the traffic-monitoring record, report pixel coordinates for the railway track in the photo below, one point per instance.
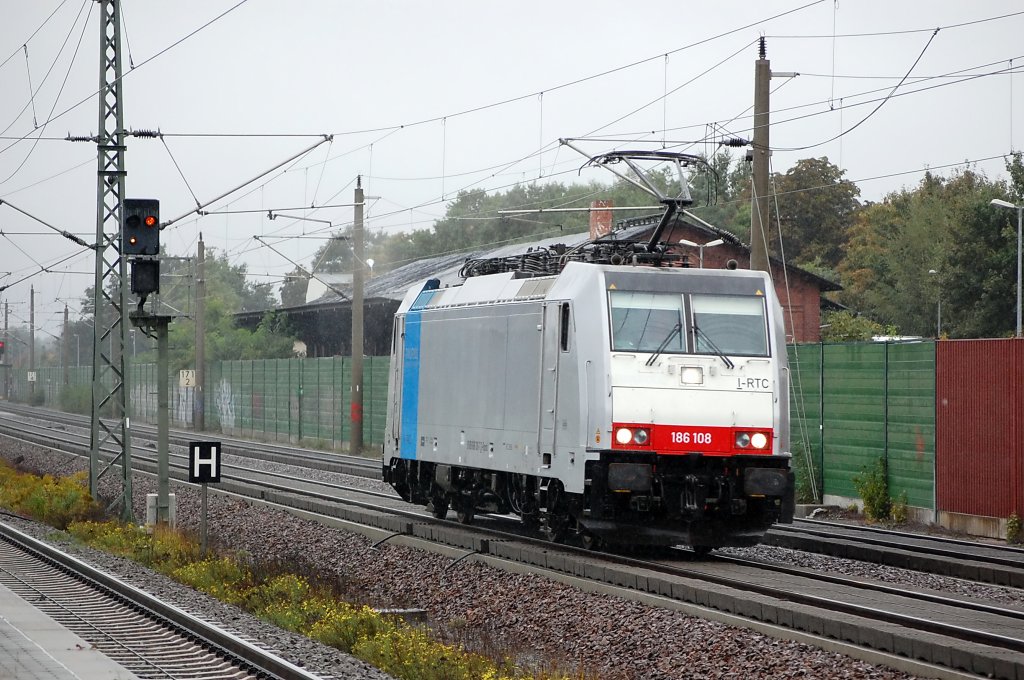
(327, 461)
(143, 634)
(970, 560)
(950, 632)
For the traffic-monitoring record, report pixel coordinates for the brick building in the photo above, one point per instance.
(799, 290)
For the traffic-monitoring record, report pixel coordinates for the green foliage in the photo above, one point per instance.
(873, 487)
(807, 477)
(844, 326)
(1014, 531)
(294, 603)
(815, 206)
(228, 292)
(944, 225)
(76, 399)
(221, 577)
(899, 509)
(57, 502)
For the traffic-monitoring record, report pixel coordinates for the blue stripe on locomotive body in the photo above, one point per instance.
(410, 384)
(411, 374)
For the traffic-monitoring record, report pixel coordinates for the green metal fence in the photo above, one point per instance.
(306, 400)
(852, 404)
(856, 403)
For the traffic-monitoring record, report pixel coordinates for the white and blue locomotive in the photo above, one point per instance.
(612, 403)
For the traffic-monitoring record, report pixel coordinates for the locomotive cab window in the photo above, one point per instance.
(729, 324)
(644, 322)
(563, 327)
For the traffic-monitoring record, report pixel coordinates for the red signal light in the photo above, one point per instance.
(150, 220)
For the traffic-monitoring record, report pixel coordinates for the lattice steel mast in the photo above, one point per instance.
(110, 333)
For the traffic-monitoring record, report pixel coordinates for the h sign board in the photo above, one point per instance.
(203, 462)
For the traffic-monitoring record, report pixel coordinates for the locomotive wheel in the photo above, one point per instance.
(556, 528)
(438, 507)
(590, 541)
(465, 515)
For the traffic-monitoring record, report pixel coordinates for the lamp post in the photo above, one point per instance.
(938, 314)
(700, 248)
(1020, 209)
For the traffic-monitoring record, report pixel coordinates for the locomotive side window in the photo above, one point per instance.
(643, 321)
(563, 330)
(729, 324)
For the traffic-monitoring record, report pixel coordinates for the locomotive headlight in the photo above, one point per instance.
(692, 375)
(758, 440)
(640, 437)
(742, 440)
(623, 435)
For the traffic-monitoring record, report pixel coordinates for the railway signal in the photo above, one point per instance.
(2, 348)
(140, 231)
(140, 239)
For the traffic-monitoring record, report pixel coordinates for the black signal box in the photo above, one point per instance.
(140, 226)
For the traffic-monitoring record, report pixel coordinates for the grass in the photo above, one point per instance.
(296, 602)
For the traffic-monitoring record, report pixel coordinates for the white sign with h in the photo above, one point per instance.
(203, 462)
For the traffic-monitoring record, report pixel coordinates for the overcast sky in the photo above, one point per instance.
(424, 99)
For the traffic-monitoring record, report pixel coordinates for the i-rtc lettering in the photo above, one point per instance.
(753, 383)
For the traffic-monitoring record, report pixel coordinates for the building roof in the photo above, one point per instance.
(393, 285)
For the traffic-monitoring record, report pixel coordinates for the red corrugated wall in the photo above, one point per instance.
(979, 423)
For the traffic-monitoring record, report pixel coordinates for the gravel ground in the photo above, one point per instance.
(538, 619)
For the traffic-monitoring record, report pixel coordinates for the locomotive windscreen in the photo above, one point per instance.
(642, 321)
(730, 325)
(711, 324)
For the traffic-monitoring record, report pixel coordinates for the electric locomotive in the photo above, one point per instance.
(612, 403)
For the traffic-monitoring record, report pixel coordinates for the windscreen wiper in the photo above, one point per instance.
(664, 343)
(713, 346)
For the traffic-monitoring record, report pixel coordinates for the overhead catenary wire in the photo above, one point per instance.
(67, 74)
(33, 34)
(873, 111)
(430, 203)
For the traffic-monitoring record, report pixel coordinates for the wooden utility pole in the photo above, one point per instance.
(760, 167)
(356, 437)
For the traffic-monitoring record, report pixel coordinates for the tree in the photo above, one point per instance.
(228, 291)
(816, 207)
(979, 275)
(845, 326)
(943, 225)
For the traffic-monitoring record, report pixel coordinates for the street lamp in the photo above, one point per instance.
(700, 248)
(1020, 209)
(938, 316)
(369, 263)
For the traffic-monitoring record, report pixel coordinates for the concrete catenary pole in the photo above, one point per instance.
(32, 335)
(760, 167)
(65, 349)
(163, 488)
(199, 403)
(356, 437)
